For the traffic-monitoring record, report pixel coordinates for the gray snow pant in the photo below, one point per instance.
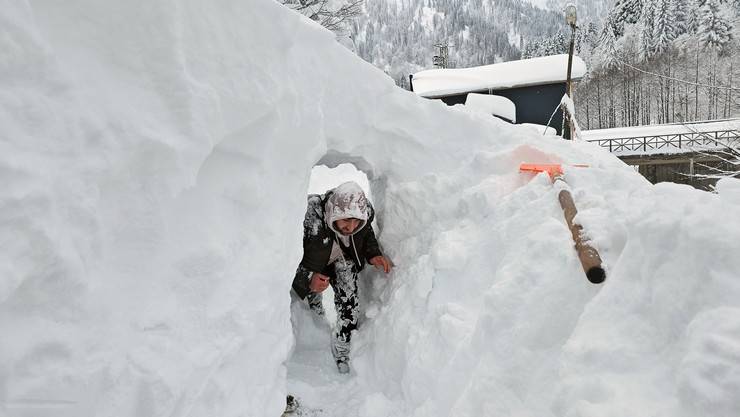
(343, 281)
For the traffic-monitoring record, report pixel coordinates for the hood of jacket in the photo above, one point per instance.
(346, 201)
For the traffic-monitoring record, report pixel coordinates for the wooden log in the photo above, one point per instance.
(589, 257)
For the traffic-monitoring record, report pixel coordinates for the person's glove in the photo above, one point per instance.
(319, 282)
(382, 263)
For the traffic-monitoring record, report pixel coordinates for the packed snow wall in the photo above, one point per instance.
(155, 160)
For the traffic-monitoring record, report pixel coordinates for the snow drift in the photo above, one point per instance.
(155, 161)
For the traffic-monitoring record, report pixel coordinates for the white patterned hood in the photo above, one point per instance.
(347, 201)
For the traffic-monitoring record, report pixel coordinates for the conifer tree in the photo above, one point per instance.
(647, 24)
(608, 48)
(559, 45)
(714, 29)
(612, 28)
(626, 12)
(664, 25)
(684, 16)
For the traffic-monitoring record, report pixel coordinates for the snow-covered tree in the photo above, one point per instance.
(612, 27)
(714, 28)
(607, 53)
(559, 44)
(647, 24)
(664, 25)
(684, 13)
(553, 45)
(333, 15)
(663, 75)
(626, 12)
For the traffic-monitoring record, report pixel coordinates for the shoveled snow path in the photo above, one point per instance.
(312, 375)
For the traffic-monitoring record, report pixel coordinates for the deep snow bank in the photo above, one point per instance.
(155, 160)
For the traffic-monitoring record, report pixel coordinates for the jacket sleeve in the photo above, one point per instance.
(301, 281)
(312, 238)
(303, 274)
(372, 249)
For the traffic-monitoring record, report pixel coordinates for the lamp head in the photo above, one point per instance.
(570, 14)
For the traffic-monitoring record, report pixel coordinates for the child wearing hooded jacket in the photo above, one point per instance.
(338, 239)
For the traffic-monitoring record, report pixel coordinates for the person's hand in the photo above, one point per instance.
(382, 263)
(319, 282)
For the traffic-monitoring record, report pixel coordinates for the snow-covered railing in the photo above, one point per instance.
(671, 143)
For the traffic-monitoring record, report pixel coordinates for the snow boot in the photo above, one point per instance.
(315, 304)
(340, 350)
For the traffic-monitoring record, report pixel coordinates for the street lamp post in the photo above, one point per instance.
(570, 18)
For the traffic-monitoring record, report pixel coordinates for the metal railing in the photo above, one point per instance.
(689, 142)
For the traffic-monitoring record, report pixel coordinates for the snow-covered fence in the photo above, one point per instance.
(695, 153)
(671, 143)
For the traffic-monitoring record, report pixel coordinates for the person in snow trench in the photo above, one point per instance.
(338, 239)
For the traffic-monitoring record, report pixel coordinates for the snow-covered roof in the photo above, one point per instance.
(526, 72)
(490, 104)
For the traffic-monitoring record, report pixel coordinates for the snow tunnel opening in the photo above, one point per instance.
(324, 178)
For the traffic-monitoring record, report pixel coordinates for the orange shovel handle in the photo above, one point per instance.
(552, 170)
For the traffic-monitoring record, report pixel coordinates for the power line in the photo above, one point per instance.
(677, 79)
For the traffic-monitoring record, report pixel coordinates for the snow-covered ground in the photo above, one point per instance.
(491, 104)
(155, 162)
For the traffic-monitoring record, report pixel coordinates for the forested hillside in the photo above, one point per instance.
(399, 36)
(662, 61)
(650, 61)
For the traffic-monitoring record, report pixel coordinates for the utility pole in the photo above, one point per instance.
(442, 59)
(570, 18)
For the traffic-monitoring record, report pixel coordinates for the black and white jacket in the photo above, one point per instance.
(319, 236)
